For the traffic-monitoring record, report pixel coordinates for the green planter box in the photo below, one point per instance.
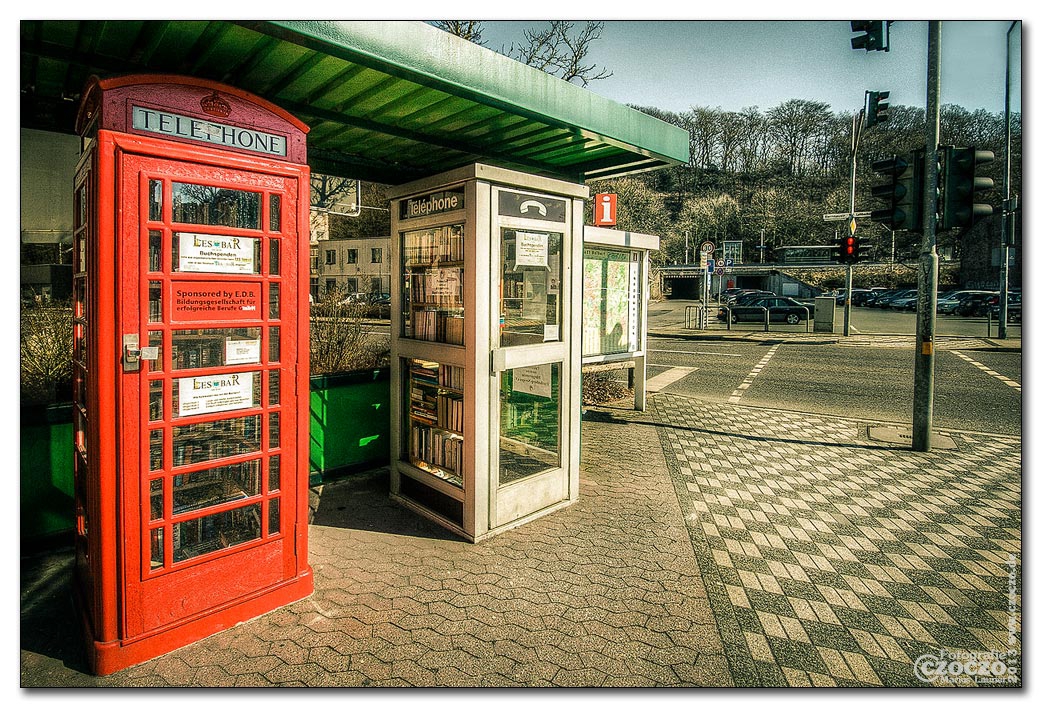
(350, 423)
(46, 470)
(350, 431)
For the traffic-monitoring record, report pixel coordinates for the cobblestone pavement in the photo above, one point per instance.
(712, 545)
(835, 560)
(606, 592)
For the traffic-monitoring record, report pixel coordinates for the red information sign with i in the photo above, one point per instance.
(604, 210)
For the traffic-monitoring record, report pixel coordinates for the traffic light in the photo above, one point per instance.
(902, 192)
(849, 249)
(836, 251)
(876, 37)
(960, 186)
(878, 108)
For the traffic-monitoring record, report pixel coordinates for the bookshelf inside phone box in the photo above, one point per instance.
(485, 347)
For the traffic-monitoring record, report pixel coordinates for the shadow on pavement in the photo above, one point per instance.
(602, 416)
(361, 501)
(49, 623)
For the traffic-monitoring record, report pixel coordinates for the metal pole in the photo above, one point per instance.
(926, 306)
(855, 140)
(1006, 231)
(846, 301)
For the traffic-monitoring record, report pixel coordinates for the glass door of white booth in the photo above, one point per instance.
(531, 397)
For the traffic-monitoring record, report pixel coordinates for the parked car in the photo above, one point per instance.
(782, 309)
(728, 293)
(745, 292)
(947, 305)
(884, 301)
(873, 298)
(1013, 308)
(860, 297)
(908, 301)
(841, 297)
(876, 298)
(976, 305)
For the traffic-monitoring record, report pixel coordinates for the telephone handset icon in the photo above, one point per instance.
(528, 204)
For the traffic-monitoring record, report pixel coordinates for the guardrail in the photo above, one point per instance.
(766, 317)
(696, 317)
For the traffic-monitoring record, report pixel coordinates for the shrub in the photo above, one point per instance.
(341, 337)
(603, 387)
(46, 354)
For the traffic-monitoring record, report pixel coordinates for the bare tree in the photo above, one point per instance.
(558, 49)
(469, 30)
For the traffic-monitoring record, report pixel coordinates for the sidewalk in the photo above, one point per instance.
(712, 545)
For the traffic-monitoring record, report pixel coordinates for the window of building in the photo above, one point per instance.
(330, 285)
(352, 255)
(378, 255)
(352, 285)
(330, 257)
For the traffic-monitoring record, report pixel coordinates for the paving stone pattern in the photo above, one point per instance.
(606, 592)
(712, 545)
(833, 560)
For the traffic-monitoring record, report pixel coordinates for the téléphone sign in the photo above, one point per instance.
(430, 204)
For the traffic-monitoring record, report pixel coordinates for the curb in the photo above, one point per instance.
(816, 337)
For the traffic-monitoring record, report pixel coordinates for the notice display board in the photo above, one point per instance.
(611, 301)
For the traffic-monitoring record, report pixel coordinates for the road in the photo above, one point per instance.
(974, 389)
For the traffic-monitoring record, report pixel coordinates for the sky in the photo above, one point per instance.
(734, 64)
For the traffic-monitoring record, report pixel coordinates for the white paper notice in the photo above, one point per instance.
(532, 249)
(206, 253)
(241, 351)
(536, 380)
(211, 394)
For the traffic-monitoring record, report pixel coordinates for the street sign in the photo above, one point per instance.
(853, 225)
(844, 217)
(708, 247)
(710, 264)
(729, 262)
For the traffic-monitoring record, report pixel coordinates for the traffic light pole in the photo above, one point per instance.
(926, 309)
(1007, 213)
(855, 140)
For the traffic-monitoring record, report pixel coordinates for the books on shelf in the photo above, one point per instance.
(438, 447)
(437, 287)
(434, 245)
(436, 418)
(437, 326)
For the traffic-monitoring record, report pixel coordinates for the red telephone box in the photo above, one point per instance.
(190, 275)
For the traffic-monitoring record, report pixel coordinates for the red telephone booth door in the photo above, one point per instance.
(210, 311)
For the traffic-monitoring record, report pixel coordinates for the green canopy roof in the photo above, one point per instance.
(385, 101)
